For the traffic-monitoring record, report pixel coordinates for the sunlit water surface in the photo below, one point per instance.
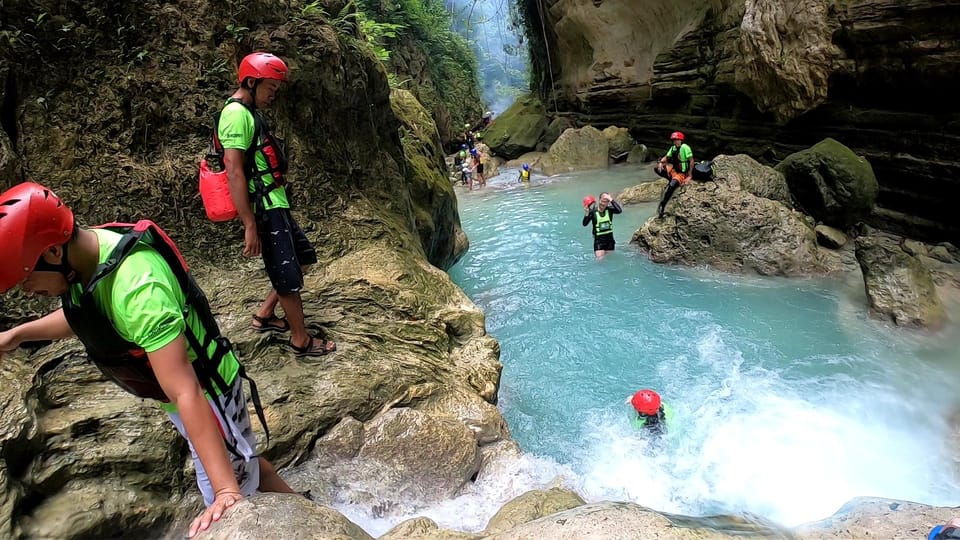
(788, 400)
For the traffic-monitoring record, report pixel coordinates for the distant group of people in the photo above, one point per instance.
(469, 161)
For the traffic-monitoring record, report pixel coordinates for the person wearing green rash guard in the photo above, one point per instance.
(649, 412)
(127, 295)
(255, 164)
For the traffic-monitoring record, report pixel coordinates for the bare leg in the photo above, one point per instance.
(599, 254)
(270, 481)
(269, 305)
(293, 308)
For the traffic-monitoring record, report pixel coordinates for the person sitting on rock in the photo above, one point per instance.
(651, 414)
(128, 296)
(676, 166)
(601, 217)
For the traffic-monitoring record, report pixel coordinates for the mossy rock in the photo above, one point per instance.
(518, 129)
(831, 183)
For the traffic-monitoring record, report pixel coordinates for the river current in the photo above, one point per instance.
(788, 399)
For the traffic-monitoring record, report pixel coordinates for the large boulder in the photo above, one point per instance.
(831, 183)
(400, 456)
(577, 150)
(870, 517)
(276, 515)
(898, 285)
(638, 154)
(743, 172)
(615, 520)
(555, 128)
(829, 237)
(530, 506)
(518, 129)
(423, 528)
(619, 140)
(734, 231)
(641, 193)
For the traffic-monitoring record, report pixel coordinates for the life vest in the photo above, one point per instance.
(603, 223)
(214, 187)
(674, 155)
(657, 424)
(525, 176)
(126, 363)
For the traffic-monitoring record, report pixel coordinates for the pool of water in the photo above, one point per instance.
(788, 400)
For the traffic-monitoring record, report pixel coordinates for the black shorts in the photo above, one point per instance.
(284, 248)
(603, 242)
(479, 168)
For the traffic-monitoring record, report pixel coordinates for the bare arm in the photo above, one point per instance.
(237, 180)
(49, 327)
(179, 382)
(690, 167)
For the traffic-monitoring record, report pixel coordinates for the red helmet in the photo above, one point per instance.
(261, 65)
(646, 402)
(676, 135)
(32, 220)
(588, 200)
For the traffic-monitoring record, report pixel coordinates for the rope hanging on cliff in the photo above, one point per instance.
(546, 47)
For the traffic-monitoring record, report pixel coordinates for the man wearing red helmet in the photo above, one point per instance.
(676, 166)
(127, 294)
(651, 413)
(255, 163)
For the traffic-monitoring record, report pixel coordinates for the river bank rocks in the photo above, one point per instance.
(722, 225)
(562, 514)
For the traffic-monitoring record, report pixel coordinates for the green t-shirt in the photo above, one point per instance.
(235, 132)
(145, 303)
(639, 423)
(685, 154)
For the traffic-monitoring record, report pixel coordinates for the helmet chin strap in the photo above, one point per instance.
(63, 267)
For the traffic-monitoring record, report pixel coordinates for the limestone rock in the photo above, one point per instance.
(898, 285)
(555, 128)
(743, 172)
(645, 192)
(577, 150)
(481, 417)
(532, 505)
(831, 183)
(786, 55)
(942, 254)
(497, 456)
(614, 521)
(423, 528)
(869, 517)
(914, 247)
(518, 129)
(829, 237)
(431, 194)
(276, 515)
(533, 159)
(638, 154)
(734, 231)
(619, 139)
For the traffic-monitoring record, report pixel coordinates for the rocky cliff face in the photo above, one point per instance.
(768, 78)
(108, 103)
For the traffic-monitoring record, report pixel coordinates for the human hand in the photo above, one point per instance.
(955, 522)
(251, 241)
(8, 341)
(214, 512)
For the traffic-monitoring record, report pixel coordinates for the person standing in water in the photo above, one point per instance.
(600, 215)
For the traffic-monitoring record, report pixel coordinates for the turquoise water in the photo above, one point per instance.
(788, 400)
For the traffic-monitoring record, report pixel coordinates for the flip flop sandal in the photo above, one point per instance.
(311, 350)
(268, 324)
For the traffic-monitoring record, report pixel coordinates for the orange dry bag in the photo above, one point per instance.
(215, 193)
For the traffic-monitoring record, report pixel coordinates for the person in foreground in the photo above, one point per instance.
(949, 531)
(255, 164)
(651, 414)
(676, 166)
(128, 296)
(600, 215)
